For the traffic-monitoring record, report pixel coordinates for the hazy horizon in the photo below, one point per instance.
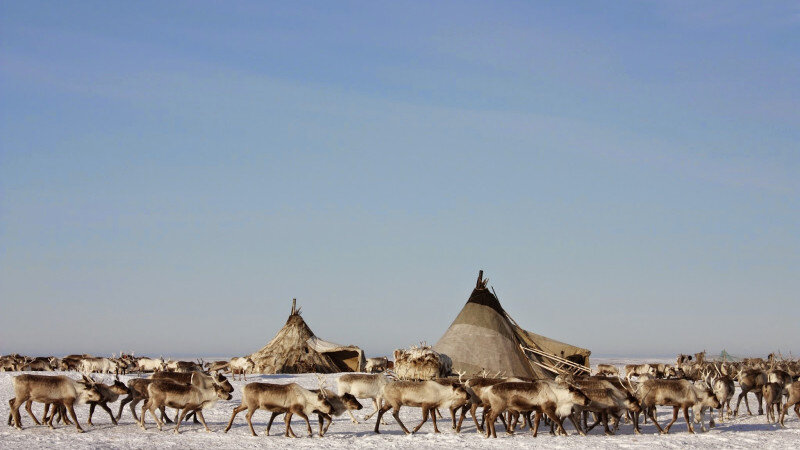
(172, 174)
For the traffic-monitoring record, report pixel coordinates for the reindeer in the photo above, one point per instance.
(189, 366)
(10, 363)
(772, 394)
(108, 394)
(41, 364)
(98, 365)
(218, 366)
(607, 398)
(724, 388)
(338, 406)
(680, 394)
(638, 370)
(750, 380)
(281, 398)
(51, 389)
(192, 397)
(150, 365)
(241, 366)
(72, 362)
(607, 369)
(374, 365)
(794, 399)
(185, 378)
(549, 397)
(137, 391)
(781, 377)
(427, 395)
(605, 402)
(363, 386)
(477, 388)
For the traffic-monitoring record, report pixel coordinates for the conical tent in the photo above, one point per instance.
(483, 337)
(295, 349)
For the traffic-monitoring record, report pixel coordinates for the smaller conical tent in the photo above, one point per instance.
(295, 349)
(483, 337)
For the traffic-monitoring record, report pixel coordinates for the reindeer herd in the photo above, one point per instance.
(608, 398)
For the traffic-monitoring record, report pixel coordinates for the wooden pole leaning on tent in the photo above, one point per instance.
(294, 305)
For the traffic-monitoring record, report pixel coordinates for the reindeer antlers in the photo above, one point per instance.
(321, 380)
(461, 375)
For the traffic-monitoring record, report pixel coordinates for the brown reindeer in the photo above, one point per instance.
(428, 395)
(51, 389)
(282, 398)
(750, 380)
(543, 397)
(680, 394)
(195, 397)
(108, 394)
(793, 400)
(773, 395)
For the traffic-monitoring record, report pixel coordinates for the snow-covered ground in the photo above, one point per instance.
(742, 432)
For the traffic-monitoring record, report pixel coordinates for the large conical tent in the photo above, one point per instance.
(295, 349)
(483, 337)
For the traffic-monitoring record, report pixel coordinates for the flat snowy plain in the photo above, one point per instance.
(742, 432)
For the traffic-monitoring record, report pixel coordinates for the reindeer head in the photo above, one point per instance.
(119, 387)
(350, 402)
(90, 391)
(460, 396)
(221, 392)
(222, 381)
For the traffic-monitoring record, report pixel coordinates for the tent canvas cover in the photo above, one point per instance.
(295, 349)
(483, 337)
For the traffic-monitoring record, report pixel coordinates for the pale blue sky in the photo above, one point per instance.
(173, 173)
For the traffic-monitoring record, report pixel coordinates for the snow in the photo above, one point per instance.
(742, 432)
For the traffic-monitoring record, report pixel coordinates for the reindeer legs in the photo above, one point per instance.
(652, 412)
(122, 403)
(271, 418)
(236, 411)
(199, 413)
(71, 410)
(28, 405)
(675, 410)
(396, 415)
(424, 418)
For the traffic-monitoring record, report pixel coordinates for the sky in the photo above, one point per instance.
(172, 174)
